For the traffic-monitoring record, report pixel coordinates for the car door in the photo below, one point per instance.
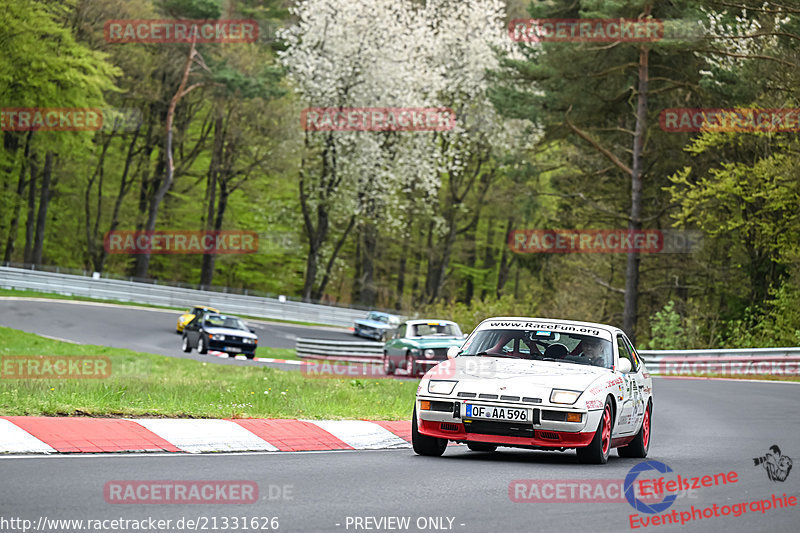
(192, 330)
(638, 383)
(626, 396)
(395, 347)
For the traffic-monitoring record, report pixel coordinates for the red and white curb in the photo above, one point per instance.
(46, 435)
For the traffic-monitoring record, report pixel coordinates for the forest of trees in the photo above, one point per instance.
(548, 135)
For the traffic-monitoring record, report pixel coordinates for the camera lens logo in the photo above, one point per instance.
(777, 466)
(639, 505)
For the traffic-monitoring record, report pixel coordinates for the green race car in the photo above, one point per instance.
(418, 345)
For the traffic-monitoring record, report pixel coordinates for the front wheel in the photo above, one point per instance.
(640, 444)
(410, 366)
(424, 445)
(388, 365)
(596, 452)
(185, 346)
(201, 345)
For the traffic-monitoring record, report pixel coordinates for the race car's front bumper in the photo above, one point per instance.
(539, 432)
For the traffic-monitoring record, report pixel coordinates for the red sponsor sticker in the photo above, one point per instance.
(585, 30)
(377, 119)
(50, 119)
(180, 492)
(730, 120)
(55, 367)
(181, 242)
(180, 31)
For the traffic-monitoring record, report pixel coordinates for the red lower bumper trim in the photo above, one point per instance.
(565, 440)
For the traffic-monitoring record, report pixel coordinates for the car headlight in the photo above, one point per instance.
(249, 341)
(218, 337)
(441, 386)
(564, 396)
(428, 353)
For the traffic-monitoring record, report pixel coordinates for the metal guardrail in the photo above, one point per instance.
(339, 350)
(734, 362)
(166, 295)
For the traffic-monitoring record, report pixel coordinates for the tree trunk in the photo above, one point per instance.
(505, 263)
(471, 259)
(488, 255)
(207, 269)
(401, 276)
(44, 202)
(143, 264)
(30, 221)
(630, 312)
(14, 226)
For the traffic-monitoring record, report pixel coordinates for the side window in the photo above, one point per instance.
(636, 361)
(400, 332)
(623, 348)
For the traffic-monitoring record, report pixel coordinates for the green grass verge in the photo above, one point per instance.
(150, 385)
(36, 294)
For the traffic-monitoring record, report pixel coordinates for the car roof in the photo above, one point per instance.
(428, 321)
(611, 329)
(203, 307)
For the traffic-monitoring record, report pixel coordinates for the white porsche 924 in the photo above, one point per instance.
(540, 384)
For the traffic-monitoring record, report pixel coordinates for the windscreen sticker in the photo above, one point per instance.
(554, 327)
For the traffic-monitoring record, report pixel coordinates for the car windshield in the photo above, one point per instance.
(432, 329)
(225, 322)
(541, 345)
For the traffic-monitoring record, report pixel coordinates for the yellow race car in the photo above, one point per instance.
(189, 315)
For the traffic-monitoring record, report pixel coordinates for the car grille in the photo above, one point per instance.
(502, 429)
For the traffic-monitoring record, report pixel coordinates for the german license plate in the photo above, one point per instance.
(233, 349)
(509, 414)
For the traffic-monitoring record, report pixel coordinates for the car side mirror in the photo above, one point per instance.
(251, 330)
(452, 352)
(624, 366)
(465, 335)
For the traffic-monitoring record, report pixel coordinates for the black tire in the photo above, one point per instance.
(185, 346)
(250, 355)
(410, 370)
(355, 332)
(596, 453)
(481, 447)
(640, 444)
(178, 331)
(424, 445)
(388, 365)
(201, 345)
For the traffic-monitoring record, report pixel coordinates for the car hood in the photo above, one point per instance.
(516, 377)
(374, 324)
(436, 342)
(230, 331)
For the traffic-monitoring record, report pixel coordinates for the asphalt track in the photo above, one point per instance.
(700, 427)
(141, 329)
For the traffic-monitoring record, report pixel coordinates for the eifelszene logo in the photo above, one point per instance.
(777, 466)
